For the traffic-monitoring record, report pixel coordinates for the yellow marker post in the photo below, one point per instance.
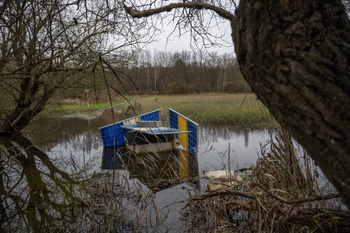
(183, 156)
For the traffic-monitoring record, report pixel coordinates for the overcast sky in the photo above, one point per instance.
(183, 43)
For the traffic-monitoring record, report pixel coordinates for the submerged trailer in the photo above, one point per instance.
(150, 133)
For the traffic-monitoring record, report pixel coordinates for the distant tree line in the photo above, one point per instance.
(184, 72)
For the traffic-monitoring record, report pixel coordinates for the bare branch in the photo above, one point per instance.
(194, 5)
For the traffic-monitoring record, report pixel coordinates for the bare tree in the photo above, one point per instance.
(296, 57)
(45, 43)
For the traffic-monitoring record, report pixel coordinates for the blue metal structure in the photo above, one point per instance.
(113, 134)
(185, 129)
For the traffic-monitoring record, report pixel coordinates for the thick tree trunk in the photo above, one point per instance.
(295, 55)
(31, 100)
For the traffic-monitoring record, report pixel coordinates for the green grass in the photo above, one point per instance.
(83, 107)
(73, 106)
(238, 110)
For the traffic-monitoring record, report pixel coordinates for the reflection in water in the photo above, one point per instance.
(244, 144)
(36, 196)
(43, 186)
(47, 188)
(69, 131)
(156, 171)
(114, 158)
(246, 138)
(213, 134)
(81, 136)
(39, 196)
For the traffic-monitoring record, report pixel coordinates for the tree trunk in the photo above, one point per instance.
(295, 55)
(31, 100)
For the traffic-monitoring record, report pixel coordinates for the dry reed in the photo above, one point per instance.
(282, 195)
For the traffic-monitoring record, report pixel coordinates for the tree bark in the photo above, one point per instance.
(295, 55)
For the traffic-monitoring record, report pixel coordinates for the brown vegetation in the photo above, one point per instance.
(282, 195)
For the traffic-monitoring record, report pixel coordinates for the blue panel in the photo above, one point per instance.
(192, 137)
(113, 135)
(153, 116)
(173, 119)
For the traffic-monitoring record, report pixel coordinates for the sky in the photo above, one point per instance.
(175, 43)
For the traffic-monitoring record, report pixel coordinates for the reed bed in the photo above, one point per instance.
(282, 195)
(240, 110)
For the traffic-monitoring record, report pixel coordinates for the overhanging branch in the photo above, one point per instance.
(196, 5)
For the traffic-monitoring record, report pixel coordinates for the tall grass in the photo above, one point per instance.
(238, 110)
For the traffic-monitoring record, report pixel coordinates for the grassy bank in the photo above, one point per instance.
(237, 110)
(241, 110)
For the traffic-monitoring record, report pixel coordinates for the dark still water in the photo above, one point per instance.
(58, 178)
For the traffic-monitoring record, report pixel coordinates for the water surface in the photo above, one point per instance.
(55, 179)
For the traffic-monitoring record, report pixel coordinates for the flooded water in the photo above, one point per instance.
(59, 178)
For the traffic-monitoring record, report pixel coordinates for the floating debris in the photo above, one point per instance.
(219, 180)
